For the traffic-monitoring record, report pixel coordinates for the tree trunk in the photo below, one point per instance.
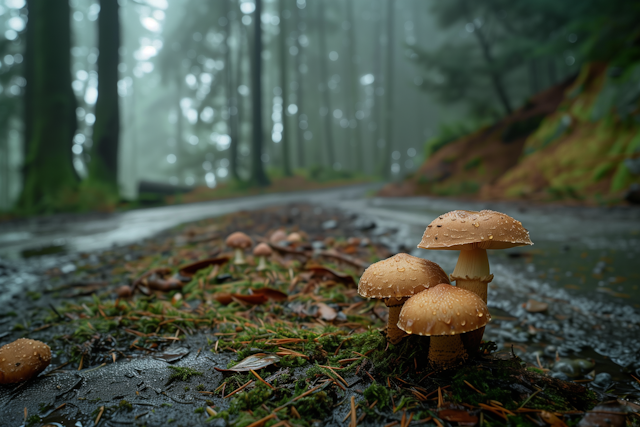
(51, 175)
(103, 168)
(258, 176)
(389, 89)
(496, 78)
(284, 84)
(180, 148)
(29, 91)
(326, 96)
(301, 151)
(377, 71)
(352, 71)
(232, 98)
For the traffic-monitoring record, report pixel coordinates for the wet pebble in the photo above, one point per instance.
(603, 380)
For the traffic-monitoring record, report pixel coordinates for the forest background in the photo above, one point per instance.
(107, 104)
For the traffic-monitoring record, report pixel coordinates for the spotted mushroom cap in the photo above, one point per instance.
(262, 250)
(23, 359)
(400, 276)
(443, 310)
(239, 240)
(463, 230)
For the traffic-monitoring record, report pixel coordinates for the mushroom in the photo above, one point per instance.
(472, 233)
(239, 242)
(278, 236)
(445, 313)
(294, 237)
(395, 279)
(23, 359)
(262, 251)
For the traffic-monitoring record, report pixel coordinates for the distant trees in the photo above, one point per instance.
(284, 84)
(103, 167)
(258, 175)
(50, 175)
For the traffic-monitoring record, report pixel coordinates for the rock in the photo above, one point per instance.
(533, 306)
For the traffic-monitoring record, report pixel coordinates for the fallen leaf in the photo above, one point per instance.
(326, 312)
(172, 354)
(322, 271)
(533, 306)
(552, 420)
(607, 415)
(459, 416)
(272, 294)
(255, 361)
(251, 299)
(190, 270)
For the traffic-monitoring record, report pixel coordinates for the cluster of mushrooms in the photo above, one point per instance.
(239, 242)
(419, 293)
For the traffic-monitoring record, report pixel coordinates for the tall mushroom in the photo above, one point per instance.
(444, 313)
(262, 251)
(472, 233)
(239, 241)
(394, 280)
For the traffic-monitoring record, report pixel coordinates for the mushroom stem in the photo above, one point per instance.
(262, 263)
(472, 272)
(239, 256)
(446, 351)
(394, 334)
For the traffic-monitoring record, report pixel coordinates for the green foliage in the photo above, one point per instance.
(380, 393)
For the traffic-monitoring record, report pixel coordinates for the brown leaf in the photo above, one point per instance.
(552, 420)
(270, 293)
(322, 271)
(159, 284)
(325, 312)
(190, 270)
(458, 416)
(172, 354)
(251, 299)
(255, 361)
(533, 306)
(223, 298)
(607, 415)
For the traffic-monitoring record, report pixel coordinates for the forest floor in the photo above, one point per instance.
(205, 342)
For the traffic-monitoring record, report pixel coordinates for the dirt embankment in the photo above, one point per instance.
(576, 142)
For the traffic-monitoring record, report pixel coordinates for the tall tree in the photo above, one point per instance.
(103, 167)
(377, 87)
(50, 172)
(284, 84)
(389, 88)
(299, 19)
(326, 96)
(352, 72)
(258, 176)
(231, 95)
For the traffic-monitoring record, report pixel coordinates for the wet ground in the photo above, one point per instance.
(582, 266)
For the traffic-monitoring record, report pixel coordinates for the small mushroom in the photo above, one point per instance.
(262, 251)
(23, 359)
(294, 237)
(445, 313)
(277, 237)
(394, 280)
(239, 241)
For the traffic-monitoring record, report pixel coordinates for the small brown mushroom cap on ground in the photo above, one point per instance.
(397, 278)
(444, 313)
(278, 236)
(239, 241)
(294, 237)
(23, 359)
(262, 251)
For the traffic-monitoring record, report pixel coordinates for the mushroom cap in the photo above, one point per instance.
(294, 237)
(278, 236)
(443, 310)
(464, 230)
(23, 359)
(400, 276)
(239, 240)
(262, 250)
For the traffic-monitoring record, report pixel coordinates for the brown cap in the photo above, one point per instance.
(294, 237)
(23, 359)
(462, 230)
(443, 310)
(278, 236)
(239, 240)
(400, 276)
(262, 250)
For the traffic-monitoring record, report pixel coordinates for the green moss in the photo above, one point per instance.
(380, 393)
(125, 405)
(182, 373)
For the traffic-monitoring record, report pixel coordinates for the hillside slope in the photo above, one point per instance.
(578, 141)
